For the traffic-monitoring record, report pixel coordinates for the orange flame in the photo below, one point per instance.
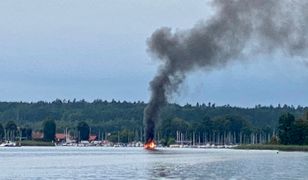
(150, 144)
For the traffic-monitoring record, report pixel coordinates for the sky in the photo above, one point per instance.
(97, 50)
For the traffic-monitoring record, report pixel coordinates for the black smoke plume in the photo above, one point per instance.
(239, 29)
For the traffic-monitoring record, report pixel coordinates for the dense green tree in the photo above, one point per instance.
(126, 136)
(11, 126)
(169, 127)
(11, 130)
(49, 129)
(286, 125)
(297, 133)
(72, 112)
(26, 133)
(83, 130)
(113, 137)
(127, 118)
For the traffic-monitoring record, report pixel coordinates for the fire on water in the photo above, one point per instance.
(150, 144)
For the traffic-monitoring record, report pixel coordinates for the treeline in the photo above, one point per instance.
(11, 132)
(123, 121)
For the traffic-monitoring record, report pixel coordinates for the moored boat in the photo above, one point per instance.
(8, 144)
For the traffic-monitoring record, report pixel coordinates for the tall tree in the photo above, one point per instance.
(286, 124)
(11, 126)
(1, 132)
(49, 129)
(11, 130)
(26, 133)
(298, 132)
(83, 130)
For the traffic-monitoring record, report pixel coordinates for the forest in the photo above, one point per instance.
(123, 121)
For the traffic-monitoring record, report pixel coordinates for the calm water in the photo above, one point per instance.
(136, 163)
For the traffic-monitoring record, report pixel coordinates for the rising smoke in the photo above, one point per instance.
(239, 29)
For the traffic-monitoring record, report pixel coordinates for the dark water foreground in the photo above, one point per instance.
(137, 163)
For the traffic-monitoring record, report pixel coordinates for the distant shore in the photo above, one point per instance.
(36, 143)
(300, 148)
(303, 148)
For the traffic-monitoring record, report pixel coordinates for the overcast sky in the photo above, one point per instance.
(97, 50)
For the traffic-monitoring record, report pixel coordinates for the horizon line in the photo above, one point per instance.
(206, 104)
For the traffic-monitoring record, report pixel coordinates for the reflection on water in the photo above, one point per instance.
(137, 163)
(160, 170)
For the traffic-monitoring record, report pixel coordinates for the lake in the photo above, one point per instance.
(137, 163)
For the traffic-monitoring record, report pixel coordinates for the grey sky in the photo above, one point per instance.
(96, 49)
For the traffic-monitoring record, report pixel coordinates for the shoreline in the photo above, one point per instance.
(36, 143)
(289, 148)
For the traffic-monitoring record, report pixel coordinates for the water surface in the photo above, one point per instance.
(137, 163)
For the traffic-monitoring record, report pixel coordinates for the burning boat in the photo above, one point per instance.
(150, 144)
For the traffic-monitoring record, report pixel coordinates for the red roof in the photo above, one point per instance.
(60, 136)
(92, 137)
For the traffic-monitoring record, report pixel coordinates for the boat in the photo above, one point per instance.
(8, 144)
